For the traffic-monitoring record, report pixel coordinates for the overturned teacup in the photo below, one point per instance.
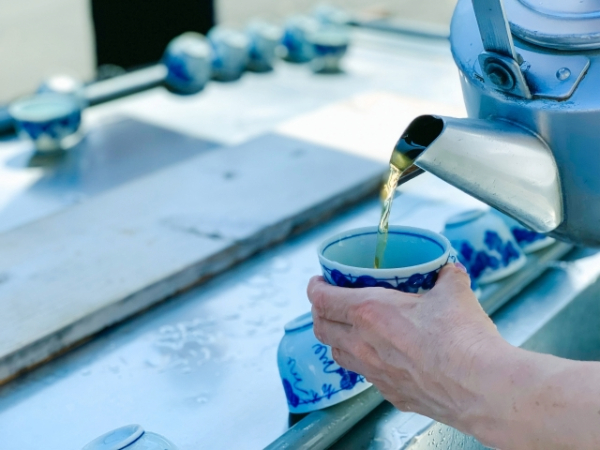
(311, 379)
(188, 59)
(530, 241)
(130, 437)
(231, 52)
(485, 245)
(264, 40)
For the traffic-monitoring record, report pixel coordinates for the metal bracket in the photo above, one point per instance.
(542, 75)
(504, 74)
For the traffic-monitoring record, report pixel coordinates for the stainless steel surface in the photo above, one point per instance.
(559, 314)
(569, 128)
(321, 429)
(198, 365)
(557, 24)
(499, 163)
(127, 84)
(494, 29)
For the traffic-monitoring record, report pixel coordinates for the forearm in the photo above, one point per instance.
(534, 401)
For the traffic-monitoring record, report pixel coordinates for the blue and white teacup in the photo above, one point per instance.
(188, 59)
(331, 15)
(52, 121)
(231, 52)
(530, 241)
(296, 34)
(264, 39)
(330, 44)
(485, 245)
(412, 260)
(311, 379)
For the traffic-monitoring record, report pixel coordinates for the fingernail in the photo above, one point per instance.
(461, 267)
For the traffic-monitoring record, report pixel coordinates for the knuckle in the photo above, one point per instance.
(318, 300)
(367, 313)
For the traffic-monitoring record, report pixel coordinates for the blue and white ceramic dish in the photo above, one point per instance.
(330, 44)
(411, 263)
(297, 29)
(51, 120)
(311, 379)
(264, 39)
(529, 240)
(231, 53)
(130, 437)
(188, 59)
(485, 245)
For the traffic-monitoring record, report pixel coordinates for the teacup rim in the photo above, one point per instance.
(15, 107)
(390, 272)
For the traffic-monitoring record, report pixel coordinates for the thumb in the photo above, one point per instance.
(453, 275)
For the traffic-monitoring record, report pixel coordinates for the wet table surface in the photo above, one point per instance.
(200, 368)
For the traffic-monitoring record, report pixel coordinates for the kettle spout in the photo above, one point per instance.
(495, 161)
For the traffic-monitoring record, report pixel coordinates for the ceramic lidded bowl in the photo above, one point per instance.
(529, 240)
(188, 59)
(411, 263)
(231, 50)
(51, 120)
(311, 379)
(130, 437)
(264, 39)
(295, 38)
(330, 44)
(485, 245)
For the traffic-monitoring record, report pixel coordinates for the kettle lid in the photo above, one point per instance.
(557, 24)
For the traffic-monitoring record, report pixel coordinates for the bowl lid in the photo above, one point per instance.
(557, 24)
(117, 439)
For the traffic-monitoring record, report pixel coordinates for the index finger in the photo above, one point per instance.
(331, 302)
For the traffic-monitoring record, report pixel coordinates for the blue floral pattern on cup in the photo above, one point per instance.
(298, 394)
(479, 261)
(413, 284)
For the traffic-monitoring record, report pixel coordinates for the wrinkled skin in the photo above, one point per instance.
(440, 355)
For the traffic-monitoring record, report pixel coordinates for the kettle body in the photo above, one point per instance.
(558, 55)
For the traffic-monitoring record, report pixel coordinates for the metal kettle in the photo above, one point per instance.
(530, 74)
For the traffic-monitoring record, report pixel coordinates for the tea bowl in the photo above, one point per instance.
(297, 30)
(529, 240)
(64, 84)
(130, 437)
(412, 260)
(188, 59)
(330, 44)
(311, 379)
(264, 39)
(485, 245)
(52, 121)
(231, 52)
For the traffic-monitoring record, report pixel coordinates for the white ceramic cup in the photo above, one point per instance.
(485, 245)
(188, 59)
(231, 52)
(411, 263)
(311, 379)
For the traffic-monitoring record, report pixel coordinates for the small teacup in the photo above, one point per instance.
(529, 240)
(264, 39)
(295, 38)
(412, 260)
(330, 44)
(485, 245)
(311, 379)
(51, 120)
(188, 59)
(230, 53)
(130, 437)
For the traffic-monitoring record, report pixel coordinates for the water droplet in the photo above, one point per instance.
(563, 73)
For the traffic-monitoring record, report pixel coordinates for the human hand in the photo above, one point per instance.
(421, 351)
